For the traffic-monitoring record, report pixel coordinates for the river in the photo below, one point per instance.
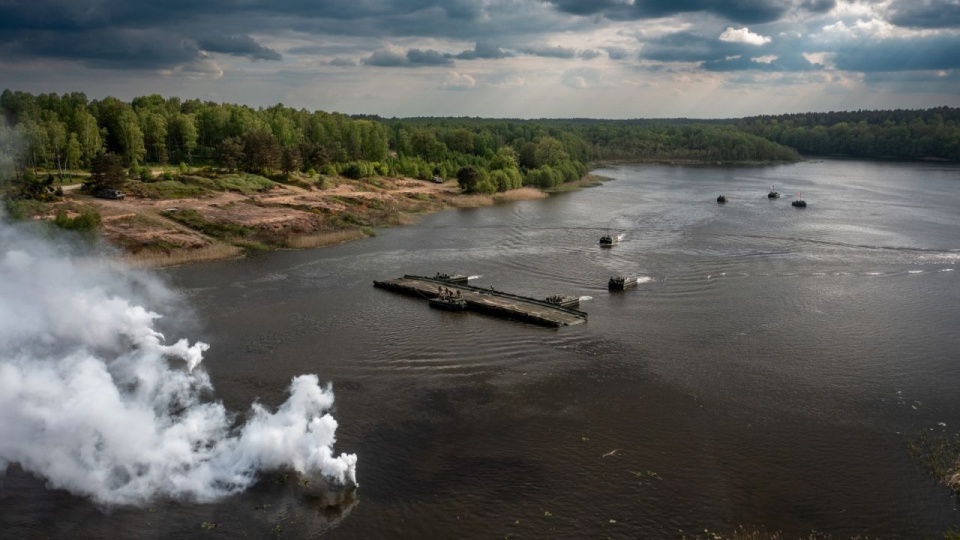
(765, 372)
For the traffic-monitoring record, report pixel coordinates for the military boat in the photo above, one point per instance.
(448, 303)
(563, 301)
(456, 278)
(799, 203)
(609, 240)
(619, 283)
(722, 199)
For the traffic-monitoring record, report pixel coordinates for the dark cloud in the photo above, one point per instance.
(485, 51)
(691, 47)
(617, 53)
(926, 14)
(588, 54)
(578, 7)
(716, 55)
(549, 52)
(462, 9)
(916, 54)
(428, 57)
(237, 45)
(126, 49)
(412, 58)
(385, 58)
(177, 34)
(744, 11)
(818, 6)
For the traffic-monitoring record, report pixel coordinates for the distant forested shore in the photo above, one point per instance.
(49, 135)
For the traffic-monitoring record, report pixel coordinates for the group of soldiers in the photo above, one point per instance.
(446, 294)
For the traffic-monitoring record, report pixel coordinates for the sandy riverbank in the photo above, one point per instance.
(170, 232)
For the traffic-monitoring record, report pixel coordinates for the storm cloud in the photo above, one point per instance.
(361, 53)
(744, 11)
(925, 13)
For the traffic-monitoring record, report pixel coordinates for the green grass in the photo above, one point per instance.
(242, 183)
(192, 186)
(166, 189)
(17, 210)
(224, 231)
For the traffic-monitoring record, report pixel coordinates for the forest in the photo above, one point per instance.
(49, 136)
(929, 134)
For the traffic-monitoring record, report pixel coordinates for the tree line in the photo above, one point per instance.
(56, 134)
(897, 134)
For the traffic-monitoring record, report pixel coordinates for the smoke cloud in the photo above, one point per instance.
(95, 400)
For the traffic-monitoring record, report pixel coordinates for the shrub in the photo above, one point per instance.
(88, 221)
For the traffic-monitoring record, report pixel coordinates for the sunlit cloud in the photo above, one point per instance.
(458, 81)
(743, 35)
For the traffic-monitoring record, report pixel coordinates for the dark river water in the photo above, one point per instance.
(764, 373)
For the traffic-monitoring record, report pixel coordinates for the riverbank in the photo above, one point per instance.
(160, 232)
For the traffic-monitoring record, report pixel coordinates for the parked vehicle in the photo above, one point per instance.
(104, 193)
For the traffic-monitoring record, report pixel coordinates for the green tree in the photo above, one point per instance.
(107, 172)
(154, 128)
(261, 151)
(182, 136)
(230, 153)
(468, 177)
(74, 154)
(88, 133)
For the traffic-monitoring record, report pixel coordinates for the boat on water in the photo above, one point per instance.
(722, 199)
(563, 301)
(455, 278)
(448, 303)
(610, 240)
(773, 194)
(799, 203)
(619, 283)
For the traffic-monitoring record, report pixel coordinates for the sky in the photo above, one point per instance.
(494, 58)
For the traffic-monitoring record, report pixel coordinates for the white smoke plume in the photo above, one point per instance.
(93, 399)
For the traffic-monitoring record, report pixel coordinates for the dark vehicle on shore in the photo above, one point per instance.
(619, 283)
(106, 193)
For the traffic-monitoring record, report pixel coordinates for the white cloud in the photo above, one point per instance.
(458, 81)
(765, 59)
(743, 35)
(823, 58)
